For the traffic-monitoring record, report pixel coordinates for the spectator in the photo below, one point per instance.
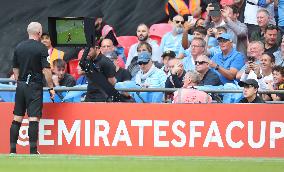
(172, 40)
(133, 68)
(212, 50)
(250, 13)
(214, 18)
(108, 48)
(260, 72)
(188, 94)
(200, 22)
(197, 48)
(207, 75)
(279, 55)
(120, 73)
(277, 84)
(60, 77)
(255, 50)
(229, 62)
(270, 39)
(263, 18)
(250, 92)
(52, 52)
(175, 80)
(281, 16)
(238, 29)
(167, 56)
(82, 79)
(143, 36)
(149, 76)
(263, 21)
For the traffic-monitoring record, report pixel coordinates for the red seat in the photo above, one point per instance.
(157, 31)
(72, 68)
(126, 42)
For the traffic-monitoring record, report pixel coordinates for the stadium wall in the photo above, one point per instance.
(123, 15)
(230, 130)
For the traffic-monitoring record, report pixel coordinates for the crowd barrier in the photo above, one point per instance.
(230, 130)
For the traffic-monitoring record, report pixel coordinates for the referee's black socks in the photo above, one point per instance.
(14, 134)
(33, 136)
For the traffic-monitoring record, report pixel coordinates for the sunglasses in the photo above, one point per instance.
(142, 63)
(177, 22)
(200, 62)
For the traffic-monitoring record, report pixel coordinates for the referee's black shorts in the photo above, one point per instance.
(28, 97)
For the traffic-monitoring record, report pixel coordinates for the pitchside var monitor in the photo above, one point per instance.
(70, 31)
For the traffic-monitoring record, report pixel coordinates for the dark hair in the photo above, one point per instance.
(45, 34)
(271, 27)
(195, 25)
(222, 28)
(272, 57)
(235, 9)
(200, 29)
(278, 69)
(148, 46)
(59, 63)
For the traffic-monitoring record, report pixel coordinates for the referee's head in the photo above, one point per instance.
(34, 30)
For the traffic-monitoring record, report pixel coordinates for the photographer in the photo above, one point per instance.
(262, 72)
(96, 64)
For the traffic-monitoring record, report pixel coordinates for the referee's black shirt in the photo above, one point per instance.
(30, 57)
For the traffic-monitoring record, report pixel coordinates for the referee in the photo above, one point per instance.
(29, 66)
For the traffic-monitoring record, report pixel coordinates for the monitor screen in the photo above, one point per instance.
(67, 31)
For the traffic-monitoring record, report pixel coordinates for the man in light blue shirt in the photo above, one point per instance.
(197, 48)
(229, 62)
(172, 40)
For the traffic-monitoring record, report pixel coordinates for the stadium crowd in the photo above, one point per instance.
(215, 45)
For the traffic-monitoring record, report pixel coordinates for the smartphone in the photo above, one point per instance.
(251, 59)
(189, 18)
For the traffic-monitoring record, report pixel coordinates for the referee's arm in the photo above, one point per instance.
(48, 77)
(16, 73)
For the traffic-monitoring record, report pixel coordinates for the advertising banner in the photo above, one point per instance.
(231, 130)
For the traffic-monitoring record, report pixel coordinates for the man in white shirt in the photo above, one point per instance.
(143, 35)
(260, 72)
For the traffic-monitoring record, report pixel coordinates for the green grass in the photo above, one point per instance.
(46, 163)
(76, 31)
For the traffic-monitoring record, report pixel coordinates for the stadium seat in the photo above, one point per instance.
(126, 42)
(72, 68)
(226, 2)
(157, 31)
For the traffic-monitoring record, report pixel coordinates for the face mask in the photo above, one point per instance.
(178, 30)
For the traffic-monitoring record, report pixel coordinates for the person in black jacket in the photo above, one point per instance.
(250, 91)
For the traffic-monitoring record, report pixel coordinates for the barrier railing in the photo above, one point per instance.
(165, 90)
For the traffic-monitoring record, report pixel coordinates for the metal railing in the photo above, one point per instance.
(165, 90)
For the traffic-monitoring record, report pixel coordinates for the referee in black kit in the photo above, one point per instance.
(29, 65)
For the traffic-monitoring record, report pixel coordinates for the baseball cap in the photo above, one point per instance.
(169, 53)
(252, 82)
(216, 11)
(225, 36)
(144, 56)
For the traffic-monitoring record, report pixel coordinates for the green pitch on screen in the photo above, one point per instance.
(70, 32)
(51, 163)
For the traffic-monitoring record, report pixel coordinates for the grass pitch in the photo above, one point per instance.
(46, 163)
